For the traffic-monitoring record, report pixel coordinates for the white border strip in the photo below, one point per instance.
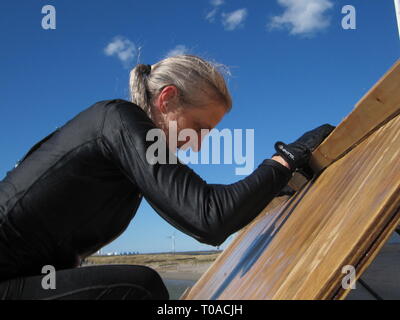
(397, 7)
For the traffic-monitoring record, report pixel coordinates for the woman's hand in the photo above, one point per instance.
(298, 153)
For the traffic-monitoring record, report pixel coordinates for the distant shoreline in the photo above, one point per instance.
(179, 266)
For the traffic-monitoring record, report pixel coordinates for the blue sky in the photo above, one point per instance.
(292, 70)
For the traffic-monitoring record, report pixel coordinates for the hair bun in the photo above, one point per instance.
(144, 69)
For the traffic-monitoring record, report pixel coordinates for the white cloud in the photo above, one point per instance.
(302, 17)
(210, 16)
(122, 48)
(217, 3)
(179, 49)
(235, 19)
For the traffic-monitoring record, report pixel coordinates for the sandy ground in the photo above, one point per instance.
(170, 266)
(185, 272)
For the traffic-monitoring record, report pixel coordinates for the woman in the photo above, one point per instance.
(77, 189)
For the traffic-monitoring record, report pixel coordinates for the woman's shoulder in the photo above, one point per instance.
(92, 119)
(117, 102)
(128, 115)
(121, 105)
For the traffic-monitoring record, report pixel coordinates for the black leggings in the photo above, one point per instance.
(108, 282)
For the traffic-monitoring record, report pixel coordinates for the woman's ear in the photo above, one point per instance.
(167, 98)
(160, 104)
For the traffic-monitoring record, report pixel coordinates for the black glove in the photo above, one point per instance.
(298, 153)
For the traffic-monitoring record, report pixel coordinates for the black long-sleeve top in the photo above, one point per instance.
(78, 189)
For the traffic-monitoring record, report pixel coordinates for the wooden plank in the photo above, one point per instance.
(380, 104)
(298, 249)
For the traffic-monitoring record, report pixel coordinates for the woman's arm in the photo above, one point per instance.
(207, 212)
(281, 161)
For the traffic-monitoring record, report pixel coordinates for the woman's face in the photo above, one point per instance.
(173, 119)
(205, 118)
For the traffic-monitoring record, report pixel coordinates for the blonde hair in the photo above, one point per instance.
(198, 82)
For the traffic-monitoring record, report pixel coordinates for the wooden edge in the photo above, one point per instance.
(297, 181)
(379, 105)
(185, 293)
(373, 251)
(366, 254)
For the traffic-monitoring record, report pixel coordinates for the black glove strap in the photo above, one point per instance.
(283, 151)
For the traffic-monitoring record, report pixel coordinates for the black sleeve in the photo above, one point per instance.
(207, 212)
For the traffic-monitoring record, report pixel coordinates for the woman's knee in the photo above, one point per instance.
(152, 281)
(142, 277)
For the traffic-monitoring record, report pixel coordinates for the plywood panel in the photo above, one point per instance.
(298, 249)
